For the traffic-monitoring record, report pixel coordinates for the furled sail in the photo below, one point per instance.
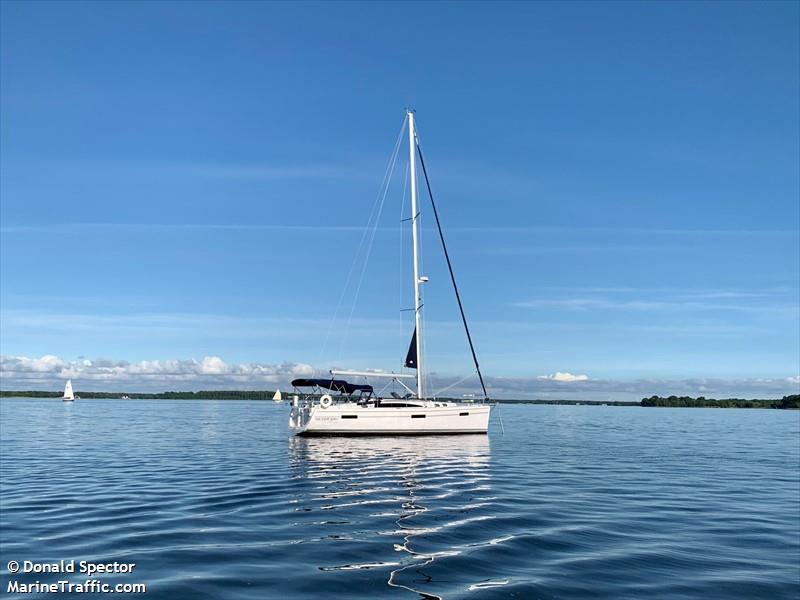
(411, 357)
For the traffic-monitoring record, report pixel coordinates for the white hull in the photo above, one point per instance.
(68, 399)
(433, 418)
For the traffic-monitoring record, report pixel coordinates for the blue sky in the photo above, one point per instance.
(618, 182)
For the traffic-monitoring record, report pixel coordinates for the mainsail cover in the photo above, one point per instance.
(411, 356)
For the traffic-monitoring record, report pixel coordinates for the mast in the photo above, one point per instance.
(412, 157)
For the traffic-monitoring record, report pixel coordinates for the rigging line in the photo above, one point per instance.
(452, 385)
(401, 334)
(450, 266)
(387, 181)
(363, 238)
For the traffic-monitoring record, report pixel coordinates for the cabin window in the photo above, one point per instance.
(349, 416)
(417, 416)
(465, 414)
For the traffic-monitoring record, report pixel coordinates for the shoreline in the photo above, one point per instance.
(790, 402)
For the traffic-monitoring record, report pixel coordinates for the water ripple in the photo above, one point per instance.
(215, 500)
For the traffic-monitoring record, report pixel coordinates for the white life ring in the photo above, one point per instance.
(326, 401)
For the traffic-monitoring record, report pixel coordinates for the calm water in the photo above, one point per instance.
(215, 500)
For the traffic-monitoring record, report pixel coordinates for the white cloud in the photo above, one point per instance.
(700, 304)
(44, 364)
(566, 377)
(213, 365)
(666, 299)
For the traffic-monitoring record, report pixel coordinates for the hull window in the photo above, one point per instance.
(466, 414)
(418, 416)
(349, 416)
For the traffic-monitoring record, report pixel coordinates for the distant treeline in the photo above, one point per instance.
(792, 401)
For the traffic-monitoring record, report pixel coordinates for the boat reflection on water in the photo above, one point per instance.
(415, 493)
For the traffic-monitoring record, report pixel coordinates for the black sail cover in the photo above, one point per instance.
(335, 385)
(411, 357)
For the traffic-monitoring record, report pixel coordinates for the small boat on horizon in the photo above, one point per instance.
(336, 406)
(277, 397)
(69, 395)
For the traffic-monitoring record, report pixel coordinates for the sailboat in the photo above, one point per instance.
(68, 396)
(335, 406)
(277, 397)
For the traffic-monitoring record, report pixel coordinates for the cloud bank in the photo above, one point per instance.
(567, 377)
(211, 372)
(49, 372)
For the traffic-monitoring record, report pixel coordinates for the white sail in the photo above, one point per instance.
(277, 397)
(68, 394)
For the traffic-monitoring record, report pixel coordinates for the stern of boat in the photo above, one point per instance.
(300, 415)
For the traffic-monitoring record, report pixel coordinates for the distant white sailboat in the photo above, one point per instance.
(68, 396)
(278, 397)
